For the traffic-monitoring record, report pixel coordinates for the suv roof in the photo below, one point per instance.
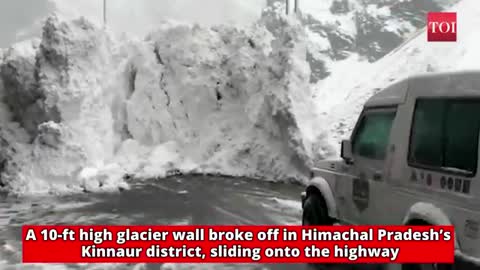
(438, 83)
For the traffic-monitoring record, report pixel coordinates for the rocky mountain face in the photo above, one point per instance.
(369, 28)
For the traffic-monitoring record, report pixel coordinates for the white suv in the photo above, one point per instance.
(412, 159)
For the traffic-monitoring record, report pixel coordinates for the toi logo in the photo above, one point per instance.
(442, 26)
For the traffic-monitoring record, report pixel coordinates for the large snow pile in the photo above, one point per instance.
(343, 99)
(81, 108)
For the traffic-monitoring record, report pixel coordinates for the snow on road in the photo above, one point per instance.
(178, 200)
(208, 200)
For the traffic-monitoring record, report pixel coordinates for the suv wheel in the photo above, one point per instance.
(315, 211)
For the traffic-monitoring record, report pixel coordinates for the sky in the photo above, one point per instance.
(19, 16)
(20, 19)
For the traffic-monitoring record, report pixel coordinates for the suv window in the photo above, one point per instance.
(373, 134)
(427, 133)
(445, 135)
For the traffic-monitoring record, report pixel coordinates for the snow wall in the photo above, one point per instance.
(82, 107)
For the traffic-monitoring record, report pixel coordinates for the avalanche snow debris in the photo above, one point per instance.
(95, 107)
(81, 107)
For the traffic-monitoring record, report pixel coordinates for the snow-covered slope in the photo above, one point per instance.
(345, 97)
(83, 108)
(338, 29)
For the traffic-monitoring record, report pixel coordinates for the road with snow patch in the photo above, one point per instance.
(177, 200)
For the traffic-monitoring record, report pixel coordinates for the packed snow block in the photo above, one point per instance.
(213, 90)
(60, 91)
(373, 39)
(291, 94)
(200, 79)
(76, 71)
(21, 92)
(50, 134)
(71, 56)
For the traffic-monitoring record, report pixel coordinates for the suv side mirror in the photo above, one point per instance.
(346, 151)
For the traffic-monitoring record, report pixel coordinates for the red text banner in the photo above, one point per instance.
(238, 244)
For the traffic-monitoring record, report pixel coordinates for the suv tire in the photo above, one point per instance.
(315, 211)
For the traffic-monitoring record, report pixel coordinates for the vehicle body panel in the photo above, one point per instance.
(392, 191)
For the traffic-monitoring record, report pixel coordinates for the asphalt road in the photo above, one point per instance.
(178, 200)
